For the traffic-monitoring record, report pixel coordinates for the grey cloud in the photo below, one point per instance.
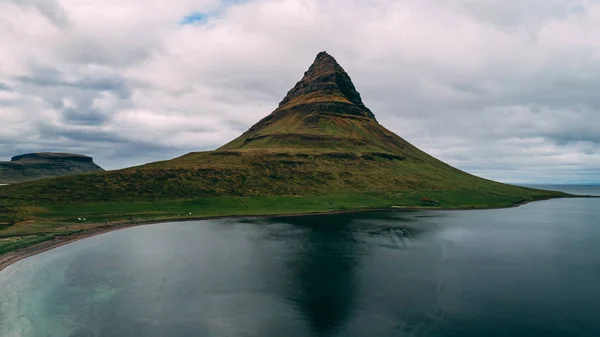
(574, 136)
(91, 51)
(74, 98)
(49, 131)
(53, 11)
(468, 88)
(510, 14)
(4, 87)
(50, 9)
(88, 116)
(46, 77)
(9, 103)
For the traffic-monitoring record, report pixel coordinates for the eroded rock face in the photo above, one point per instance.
(326, 82)
(34, 166)
(322, 112)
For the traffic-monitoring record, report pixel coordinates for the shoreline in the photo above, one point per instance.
(12, 257)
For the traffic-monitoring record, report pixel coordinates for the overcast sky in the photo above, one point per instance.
(506, 89)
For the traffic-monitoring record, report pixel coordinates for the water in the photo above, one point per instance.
(527, 271)
(573, 189)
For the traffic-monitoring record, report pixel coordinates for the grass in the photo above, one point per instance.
(10, 244)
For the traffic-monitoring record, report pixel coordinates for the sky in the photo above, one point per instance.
(505, 89)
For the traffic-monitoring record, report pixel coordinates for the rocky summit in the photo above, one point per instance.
(325, 87)
(34, 166)
(323, 112)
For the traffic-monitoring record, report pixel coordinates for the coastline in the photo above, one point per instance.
(12, 257)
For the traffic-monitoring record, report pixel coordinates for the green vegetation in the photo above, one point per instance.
(10, 244)
(321, 150)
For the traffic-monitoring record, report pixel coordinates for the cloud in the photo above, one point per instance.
(505, 89)
(49, 9)
(4, 87)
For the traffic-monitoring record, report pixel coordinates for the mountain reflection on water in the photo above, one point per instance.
(327, 252)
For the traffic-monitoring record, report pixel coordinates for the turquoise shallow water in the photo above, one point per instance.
(527, 271)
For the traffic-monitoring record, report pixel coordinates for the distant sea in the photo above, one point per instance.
(588, 189)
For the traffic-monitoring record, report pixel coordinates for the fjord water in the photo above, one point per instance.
(527, 271)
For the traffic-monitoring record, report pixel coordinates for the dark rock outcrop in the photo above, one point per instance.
(34, 166)
(326, 87)
(322, 112)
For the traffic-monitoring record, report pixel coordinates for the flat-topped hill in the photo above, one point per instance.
(35, 166)
(51, 157)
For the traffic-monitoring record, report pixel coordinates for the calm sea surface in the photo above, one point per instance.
(573, 189)
(527, 271)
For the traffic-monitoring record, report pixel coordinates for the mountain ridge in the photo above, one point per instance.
(325, 75)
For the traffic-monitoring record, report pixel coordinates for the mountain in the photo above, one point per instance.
(325, 113)
(321, 149)
(34, 166)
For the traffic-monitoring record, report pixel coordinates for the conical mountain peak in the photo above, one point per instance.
(325, 63)
(324, 57)
(323, 112)
(327, 87)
